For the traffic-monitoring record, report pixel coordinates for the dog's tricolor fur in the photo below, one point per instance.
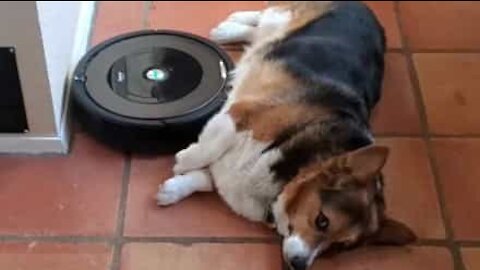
(292, 143)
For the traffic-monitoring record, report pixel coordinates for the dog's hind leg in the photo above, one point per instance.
(251, 18)
(238, 27)
(182, 186)
(232, 32)
(216, 138)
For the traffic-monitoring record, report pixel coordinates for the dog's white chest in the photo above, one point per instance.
(243, 177)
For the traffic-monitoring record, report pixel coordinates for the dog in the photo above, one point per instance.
(292, 146)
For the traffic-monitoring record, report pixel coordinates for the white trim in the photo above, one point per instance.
(82, 38)
(16, 144)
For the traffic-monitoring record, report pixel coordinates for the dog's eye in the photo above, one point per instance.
(322, 222)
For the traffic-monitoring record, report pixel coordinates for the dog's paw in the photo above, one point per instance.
(230, 31)
(246, 17)
(184, 161)
(171, 191)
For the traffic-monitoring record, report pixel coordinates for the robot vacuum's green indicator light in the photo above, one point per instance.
(156, 74)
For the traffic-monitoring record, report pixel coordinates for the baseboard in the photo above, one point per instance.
(18, 144)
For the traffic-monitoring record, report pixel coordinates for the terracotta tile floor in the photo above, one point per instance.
(94, 209)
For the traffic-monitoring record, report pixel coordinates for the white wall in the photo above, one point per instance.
(49, 38)
(64, 36)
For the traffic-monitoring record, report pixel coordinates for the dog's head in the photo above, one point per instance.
(338, 203)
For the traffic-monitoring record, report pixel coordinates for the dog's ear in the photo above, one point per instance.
(392, 232)
(367, 162)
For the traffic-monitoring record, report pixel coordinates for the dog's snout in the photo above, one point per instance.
(297, 252)
(298, 263)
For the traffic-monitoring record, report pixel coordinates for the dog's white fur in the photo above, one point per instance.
(295, 245)
(247, 26)
(231, 159)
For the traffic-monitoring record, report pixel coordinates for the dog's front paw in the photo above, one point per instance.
(171, 191)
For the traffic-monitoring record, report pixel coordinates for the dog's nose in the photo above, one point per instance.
(298, 263)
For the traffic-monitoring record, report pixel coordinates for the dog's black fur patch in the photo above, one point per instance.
(339, 57)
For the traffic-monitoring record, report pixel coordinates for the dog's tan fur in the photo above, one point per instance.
(266, 97)
(301, 199)
(267, 121)
(303, 12)
(267, 101)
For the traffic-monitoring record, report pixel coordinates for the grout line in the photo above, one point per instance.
(453, 247)
(56, 239)
(204, 240)
(430, 136)
(94, 24)
(395, 50)
(445, 51)
(118, 240)
(459, 136)
(187, 240)
(147, 6)
(395, 136)
(468, 243)
(420, 136)
(431, 243)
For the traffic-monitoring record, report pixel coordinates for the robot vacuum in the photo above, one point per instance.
(150, 91)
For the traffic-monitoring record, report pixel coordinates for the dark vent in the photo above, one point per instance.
(12, 110)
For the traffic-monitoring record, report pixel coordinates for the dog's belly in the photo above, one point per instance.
(243, 178)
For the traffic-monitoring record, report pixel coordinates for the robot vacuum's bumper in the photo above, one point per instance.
(150, 91)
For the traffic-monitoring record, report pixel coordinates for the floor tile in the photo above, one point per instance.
(385, 11)
(235, 55)
(201, 215)
(64, 195)
(441, 24)
(457, 162)
(115, 18)
(471, 258)
(397, 111)
(415, 258)
(194, 16)
(138, 256)
(449, 84)
(409, 185)
(50, 256)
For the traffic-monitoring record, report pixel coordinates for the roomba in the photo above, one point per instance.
(150, 91)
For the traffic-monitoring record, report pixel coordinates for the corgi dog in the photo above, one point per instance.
(292, 146)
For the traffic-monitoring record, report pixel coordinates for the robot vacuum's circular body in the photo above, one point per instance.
(150, 91)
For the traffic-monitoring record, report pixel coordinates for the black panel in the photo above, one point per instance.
(12, 110)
